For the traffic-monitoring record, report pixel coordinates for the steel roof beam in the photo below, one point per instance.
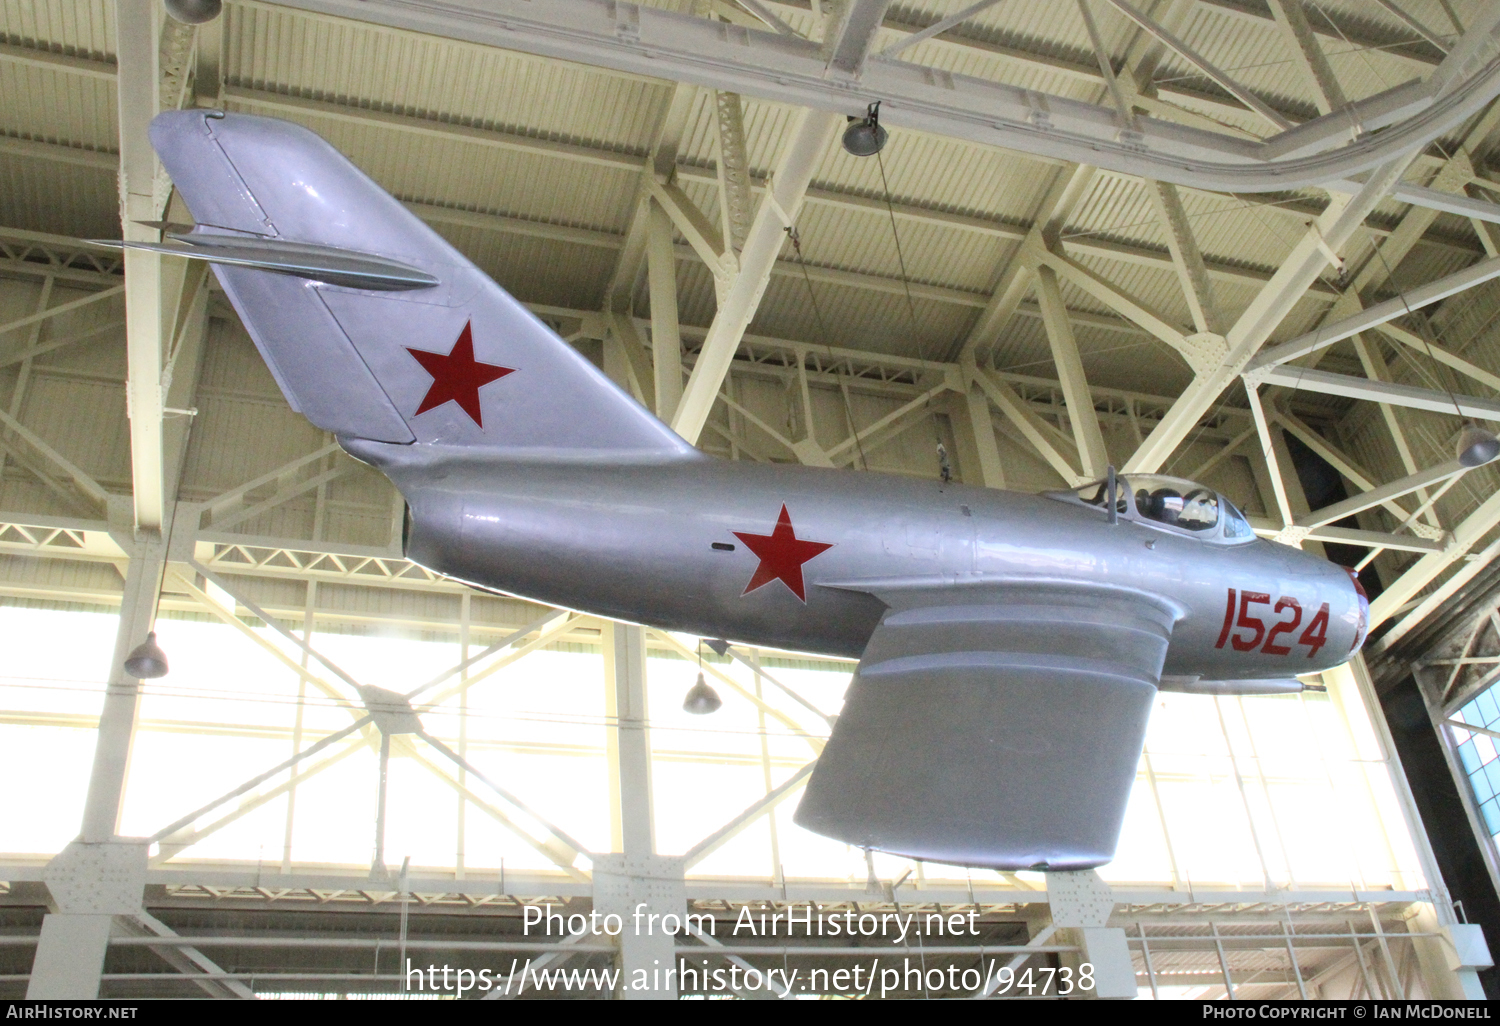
(1068, 189)
(666, 333)
(1019, 412)
(1427, 569)
(1414, 224)
(1321, 81)
(1303, 265)
(1207, 67)
(1374, 316)
(1436, 352)
(847, 40)
(937, 27)
(1448, 203)
(624, 353)
(646, 41)
(1187, 258)
(105, 69)
(1350, 33)
(1342, 462)
(53, 311)
(1381, 494)
(756, 262)
(624, 161)
(1126, 306)
(139, 86)
(1085, 71)
(1311, 380)
(1087, 436)
(1353, 33)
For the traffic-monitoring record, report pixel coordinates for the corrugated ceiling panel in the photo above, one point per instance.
(538, 270)
(102, 354)
(86, 580)
(1155, 288)
(84, 28)
(237, 439)
(63, 199)
(246, 426)
(83, 419)
(423, 76)
(699, 144)
(468, 176)
(231, 365)
(1135, 363)
(1020, 342)
(863, 241)
(57, 107)
(1054, 33)
(768, 129)
(18, 298)
(946, 174)
(860, 319)
(696, 300)
(1117, 207)
(1244, 230)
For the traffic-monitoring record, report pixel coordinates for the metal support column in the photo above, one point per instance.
(666, 338)
(1085, 420)
(101, 811)
(974, 425)
(644, 889)
(98, 877)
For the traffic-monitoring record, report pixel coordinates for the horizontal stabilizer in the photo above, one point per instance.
(299, 259)
(996, 726)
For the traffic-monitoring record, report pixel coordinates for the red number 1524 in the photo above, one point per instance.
(1273, 638)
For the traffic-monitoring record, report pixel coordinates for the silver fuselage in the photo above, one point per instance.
(636, 542)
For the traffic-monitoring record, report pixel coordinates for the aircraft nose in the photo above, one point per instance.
(1364, 610)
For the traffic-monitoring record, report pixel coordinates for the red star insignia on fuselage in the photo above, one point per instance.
(781, 554)
(457, 377)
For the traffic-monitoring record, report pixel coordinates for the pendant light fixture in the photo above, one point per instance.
(147, 661)
(1476, 446)
(194, 12)
(864, 137)
(701, 699)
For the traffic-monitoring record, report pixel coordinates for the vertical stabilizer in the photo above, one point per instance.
(459, 363)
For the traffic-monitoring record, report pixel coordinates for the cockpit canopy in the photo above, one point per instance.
(1172, 501)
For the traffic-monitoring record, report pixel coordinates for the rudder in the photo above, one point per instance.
(459, 363)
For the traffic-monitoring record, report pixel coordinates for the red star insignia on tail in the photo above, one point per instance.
(457, 377)
(781, 554)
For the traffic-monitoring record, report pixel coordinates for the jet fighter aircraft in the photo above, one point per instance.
(1010, 646)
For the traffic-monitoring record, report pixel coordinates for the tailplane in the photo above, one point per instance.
(457, 362)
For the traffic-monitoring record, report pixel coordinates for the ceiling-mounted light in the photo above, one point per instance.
(1476, 446)
(147, 661)
(193, 12)
(701, 699)
(864, 137)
